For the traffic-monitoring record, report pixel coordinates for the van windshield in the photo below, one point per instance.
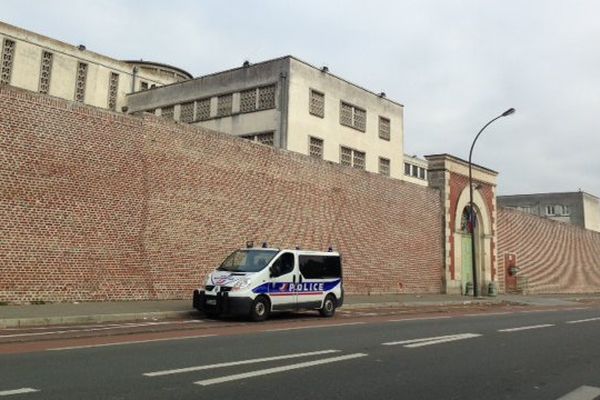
(247, 260)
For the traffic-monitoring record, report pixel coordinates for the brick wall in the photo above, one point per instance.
(554, 257)
(97, 205)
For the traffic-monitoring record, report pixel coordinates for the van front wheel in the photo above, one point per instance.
(329, 305)
(260, 308)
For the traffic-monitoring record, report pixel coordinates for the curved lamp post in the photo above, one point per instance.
(471, 207)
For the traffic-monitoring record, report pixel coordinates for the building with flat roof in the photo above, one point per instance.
(41, 64)
(577, 208)
(289, 104)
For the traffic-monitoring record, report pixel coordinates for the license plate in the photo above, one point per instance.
(211, 302)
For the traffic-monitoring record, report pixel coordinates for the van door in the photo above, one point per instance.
(319, 275)
(283, 273)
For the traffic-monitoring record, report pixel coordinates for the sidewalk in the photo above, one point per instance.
(80, 313)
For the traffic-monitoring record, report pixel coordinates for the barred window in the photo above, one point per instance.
(315, 148)
(167, 112)
(80, 81)
(262, 138)
(384, 128)
(353, 158)
(8, 55)
(317, 104)
(224, 105)
(266, 97)
(248, 100)
(45, 72)
(186, 113)
(113, 87)
(203, 109)
(353, 116)
(384, 166)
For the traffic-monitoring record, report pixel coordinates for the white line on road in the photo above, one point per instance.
(412, 343)
(583, 320)
(418, 319)
(234, 363)
(17, 391)
(525, 328)
(91, 346)
(582, 393)
(312, 327)
(487, 314)
(268, 371)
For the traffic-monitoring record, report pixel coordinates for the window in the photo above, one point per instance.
(283, 265)
(384, 166)
(550, 210)
(566, 210)
(203, 110)
(248, 100)
(8, 54)
(80, 81)
(262, 138)
(316, 104)
(224, 105)
(315, 147)
(353, 158)
(257, 99)
(407, 169)
(113, 87)
(320, 267)
(266, 97)
(384, 128)
(421, 173)
(45, 72)
(143, 85)
(167, 112)
(186, 113)
(353, 116)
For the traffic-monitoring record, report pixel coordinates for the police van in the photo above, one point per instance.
(257, 281)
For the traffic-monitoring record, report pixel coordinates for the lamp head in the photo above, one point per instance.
(508, 112)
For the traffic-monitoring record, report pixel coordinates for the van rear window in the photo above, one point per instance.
(320, 267)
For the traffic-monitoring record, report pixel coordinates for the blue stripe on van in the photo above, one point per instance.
(290, 287)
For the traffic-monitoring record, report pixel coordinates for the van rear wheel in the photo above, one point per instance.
(259, 311)
(329, 305)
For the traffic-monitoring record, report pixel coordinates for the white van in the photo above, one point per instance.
(256, 281)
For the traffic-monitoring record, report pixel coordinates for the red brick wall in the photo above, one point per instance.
(97, 206)
(554, 257)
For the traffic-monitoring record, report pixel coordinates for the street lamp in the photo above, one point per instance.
(471, 207)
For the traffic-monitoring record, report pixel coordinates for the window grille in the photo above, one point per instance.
(315, 147)
(317, 104)
(358, 159)
(186, 114)
(384, 128)
(353, 116)
(351, 157)
(45, 72)
(266, 97)
(346, 114)
(346, 156)
(113, 87)
(80, 81)
(167, 112)
(8, 55)
(248, 100)
(202, 110)
(262, 138)
(384, 166)
(224, 105)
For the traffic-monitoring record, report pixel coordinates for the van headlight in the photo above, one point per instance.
(241, 284)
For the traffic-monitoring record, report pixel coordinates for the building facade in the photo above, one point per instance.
(577, 208)
(292, 105)
(48, 66)
(415, 170)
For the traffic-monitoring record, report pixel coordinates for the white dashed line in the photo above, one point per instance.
(18, 391)
(525, 328)
(412, 343)
(313, 327)
(584, 320)
(268, 371)
(91, 346)
(418, 319)
(487, 314)
(582, 393)
(234, 363)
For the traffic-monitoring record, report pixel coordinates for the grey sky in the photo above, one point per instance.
(453, 64)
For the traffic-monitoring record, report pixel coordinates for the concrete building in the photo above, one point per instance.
(289, 104)
(41, 64)
(577, 208)
(415, 170)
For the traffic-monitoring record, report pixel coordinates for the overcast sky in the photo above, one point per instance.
(453, 64)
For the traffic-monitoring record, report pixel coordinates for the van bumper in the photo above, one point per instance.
(221, 303)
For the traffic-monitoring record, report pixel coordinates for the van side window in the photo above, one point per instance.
(284, 264)
(320, 267)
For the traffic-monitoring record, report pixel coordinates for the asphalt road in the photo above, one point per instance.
(536, 355)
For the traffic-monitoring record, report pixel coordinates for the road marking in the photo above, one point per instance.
(412, 343)
(418, 319)
(268, 371)
(576, 308)
(312, 327)
(486, 314)
(234, 363)
(583, 320)
(525, 328)
(17, 391)
(90, 346)
(582, 393)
